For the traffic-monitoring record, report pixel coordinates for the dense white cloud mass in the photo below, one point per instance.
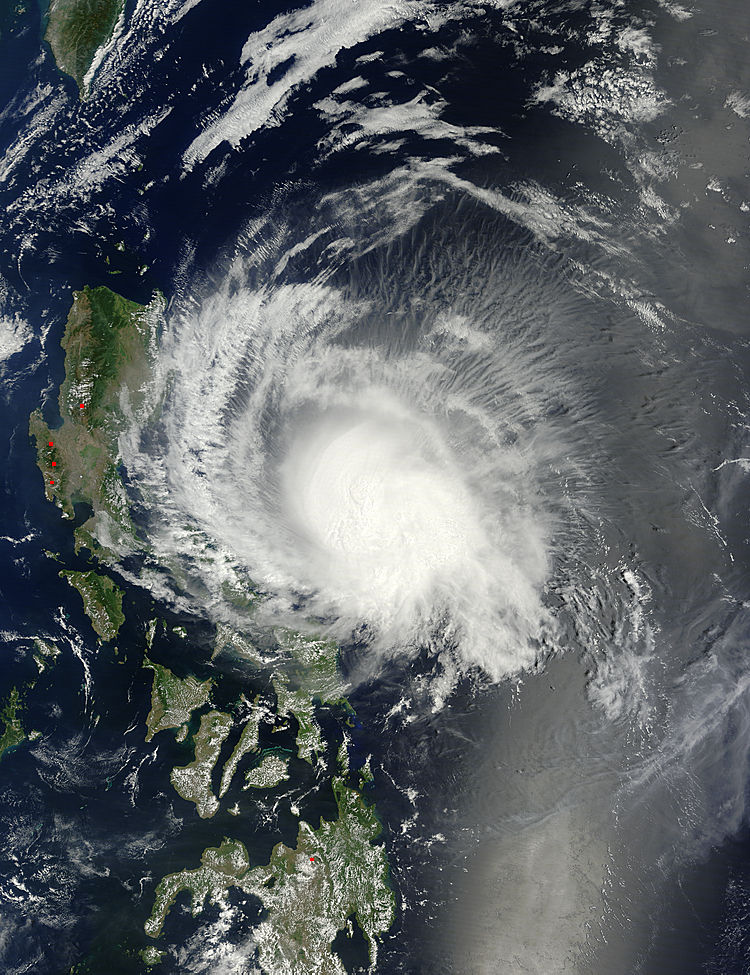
(397, 488)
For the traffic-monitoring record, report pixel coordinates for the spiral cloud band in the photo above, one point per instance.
(387, 492)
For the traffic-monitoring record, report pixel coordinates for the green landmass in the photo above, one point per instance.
(154, 626)
(102, 601)
(299, 704)
(314, 663)
(151, 956)
(13, 733)
(239, 594)
(45, 653)
(221, 867)
(193, 781)
(366, 777)
(227, 638)
(173, 700)
(309, 892)
(248, 742)
(76, 29)
(305, 670)
(271, 771)
(313, 669)
(336, 871)
(109, 343)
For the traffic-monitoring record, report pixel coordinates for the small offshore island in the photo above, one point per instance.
(337, 875)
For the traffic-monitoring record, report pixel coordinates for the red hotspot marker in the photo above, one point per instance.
(50, 444)
(81, 405)
(54, 463)
(52, 482)
(312, 859)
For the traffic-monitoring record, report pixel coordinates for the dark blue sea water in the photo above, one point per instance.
(572, 177)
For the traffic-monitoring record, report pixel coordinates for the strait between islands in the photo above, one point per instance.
(337, 875)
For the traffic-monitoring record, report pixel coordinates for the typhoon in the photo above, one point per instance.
(373, 468)
(447, 363)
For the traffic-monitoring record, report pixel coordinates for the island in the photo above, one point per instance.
(173, 700)
(109, 345)
(337, 873)
(334, 872)
(248, 743)
(76, 32)
(193, 781)
(102, 601)
(268, 773)
(45, 653)
(13, 733)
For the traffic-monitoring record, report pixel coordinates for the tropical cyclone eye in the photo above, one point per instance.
(404, 522)
(395, 500)
(384, 512)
